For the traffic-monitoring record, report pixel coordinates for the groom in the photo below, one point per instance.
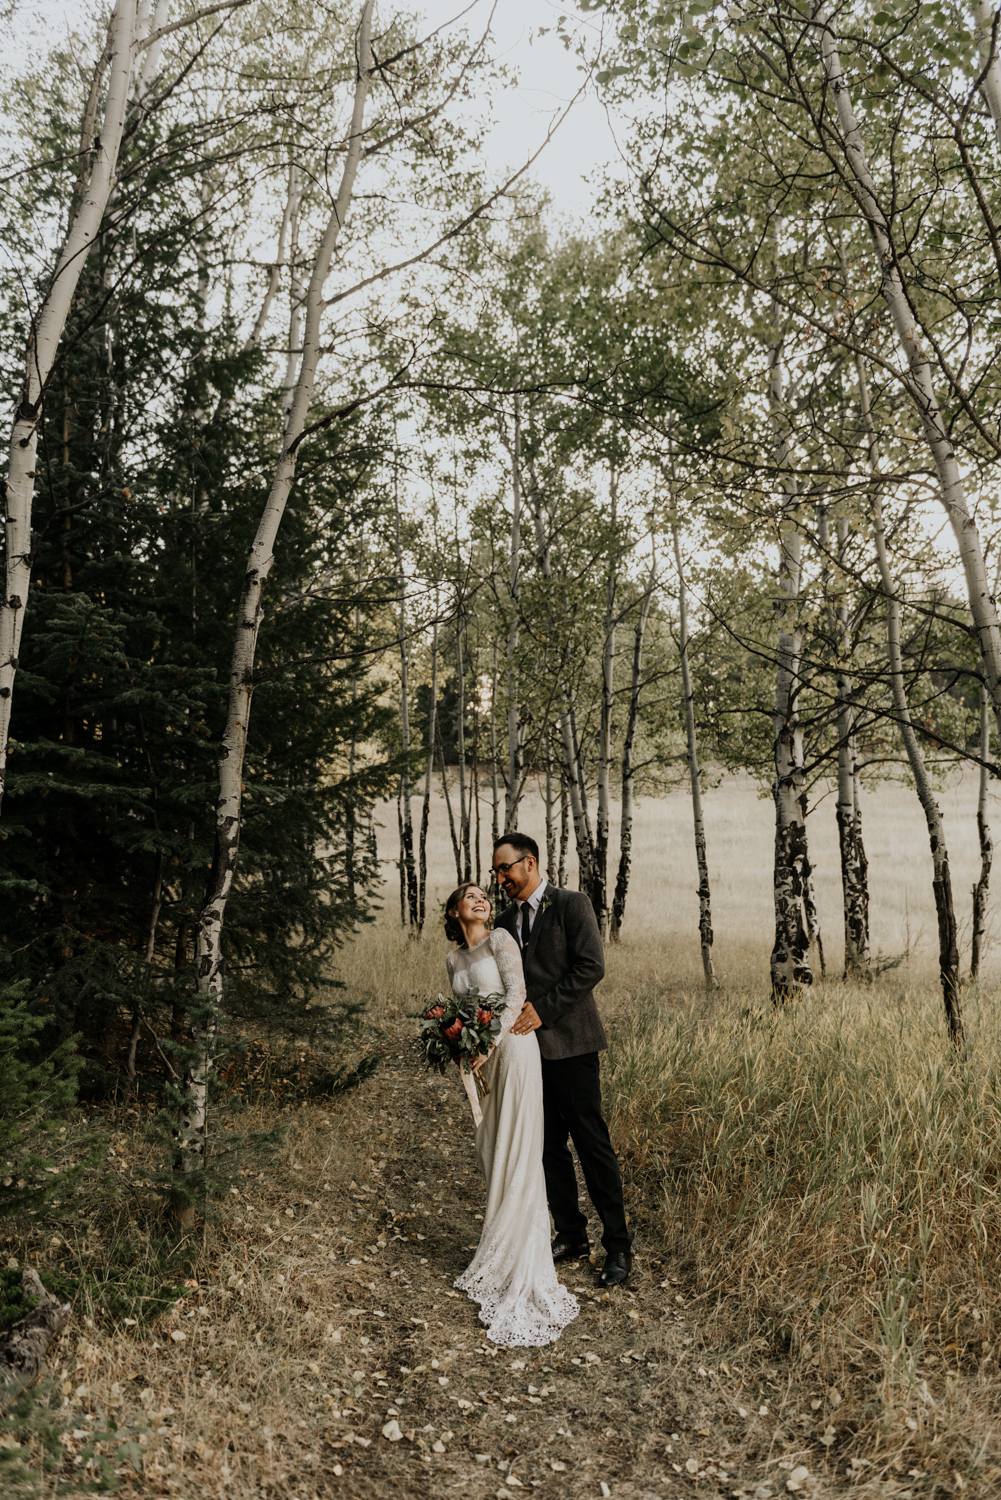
(563, 960)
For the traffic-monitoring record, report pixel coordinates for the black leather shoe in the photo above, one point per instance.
(567, 1249)
(616, 1268)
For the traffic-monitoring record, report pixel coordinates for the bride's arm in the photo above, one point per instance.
(507, 956)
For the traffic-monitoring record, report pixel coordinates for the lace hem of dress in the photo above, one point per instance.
(520, 1325)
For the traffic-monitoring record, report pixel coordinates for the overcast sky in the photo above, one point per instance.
(548, 78)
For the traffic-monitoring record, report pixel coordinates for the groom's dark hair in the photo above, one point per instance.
(520, 843)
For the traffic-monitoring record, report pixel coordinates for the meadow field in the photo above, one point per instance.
(659, 950)
(813, 1189)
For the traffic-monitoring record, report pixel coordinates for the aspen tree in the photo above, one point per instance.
(917, 379)
(790, 960)
(701, 858)
(628, 773)
(193, 1119)
(408, 874)
(599, 895)
(97, 179)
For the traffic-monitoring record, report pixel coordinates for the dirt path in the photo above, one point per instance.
(323, 1352)
(629, 1403)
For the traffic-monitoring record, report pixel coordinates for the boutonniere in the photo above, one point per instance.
(545, 903)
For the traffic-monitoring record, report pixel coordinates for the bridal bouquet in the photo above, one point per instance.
(460, 1029)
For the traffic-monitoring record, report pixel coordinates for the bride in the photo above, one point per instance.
(512, 1275)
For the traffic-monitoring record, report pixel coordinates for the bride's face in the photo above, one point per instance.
(473, 906)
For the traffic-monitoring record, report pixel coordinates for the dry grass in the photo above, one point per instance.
(814, 1193)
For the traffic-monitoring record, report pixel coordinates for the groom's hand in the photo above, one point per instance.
(529, 1020)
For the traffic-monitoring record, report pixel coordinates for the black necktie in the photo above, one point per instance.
(525, 910)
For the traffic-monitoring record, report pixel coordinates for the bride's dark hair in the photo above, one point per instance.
(453, 931)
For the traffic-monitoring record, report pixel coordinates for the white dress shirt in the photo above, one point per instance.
(532, 902)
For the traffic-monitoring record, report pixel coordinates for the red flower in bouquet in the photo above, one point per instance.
(459, 1029)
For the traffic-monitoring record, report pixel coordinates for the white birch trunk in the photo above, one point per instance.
(494, 773)
(628, 772)
(350, 831)
(982, 887)
(514, 726)
(574, 787)
(406, 812)
(987, 35)
(604, 810)
(577, 795)
(941, 878)
(43, 344)
(426, 805)
(193, 1122)
(550, 824)
(790, 959)
(701, 857)
(854, 864)
(460, 744)
(297, 295)
(918, 381)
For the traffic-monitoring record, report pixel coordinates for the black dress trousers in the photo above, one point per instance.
(571, 1096)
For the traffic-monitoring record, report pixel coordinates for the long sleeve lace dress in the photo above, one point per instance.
(512, 1275)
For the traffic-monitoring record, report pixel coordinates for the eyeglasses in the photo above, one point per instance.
(503, 869)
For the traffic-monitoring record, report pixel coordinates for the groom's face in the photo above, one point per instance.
(523, 874)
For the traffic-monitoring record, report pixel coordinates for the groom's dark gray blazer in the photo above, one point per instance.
(563, 962)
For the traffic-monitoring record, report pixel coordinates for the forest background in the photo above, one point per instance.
(352, 487)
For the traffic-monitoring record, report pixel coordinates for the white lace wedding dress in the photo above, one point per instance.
(512, 1275)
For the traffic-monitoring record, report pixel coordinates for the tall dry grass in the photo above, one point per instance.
(830, 1170)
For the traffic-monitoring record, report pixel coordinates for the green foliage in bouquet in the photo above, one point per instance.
(459, 1029)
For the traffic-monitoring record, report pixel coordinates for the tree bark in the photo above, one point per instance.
(460, 742)
(577, 792)
(705, 902)
(603, 811)
(476, 785)
(982, 887)
(986, 30)
(448, 807)
(790, 959)
(628, 773)
(46, 332)
(25, 1344)
(948, 944)
(401, 863)
(854, 864)
(941, 877)
(918, 381)
(409, 873)
(494, 770)
(515, 732)
(426, 806)
(193, 1122)
(550, 825)
(350, 831)
(564, 835)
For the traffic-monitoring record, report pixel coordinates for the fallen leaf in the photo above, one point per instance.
(178, 1336)
(692, 1465)
(392, 1431)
